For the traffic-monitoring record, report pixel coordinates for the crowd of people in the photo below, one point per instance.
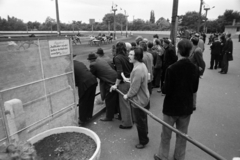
(135, 69)
(221, 52)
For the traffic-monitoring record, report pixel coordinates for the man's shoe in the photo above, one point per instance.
(140, 146)
(125, 127)
(80, 123)
(156, 157)
(223, 73)
(105, 119)
(220, 71)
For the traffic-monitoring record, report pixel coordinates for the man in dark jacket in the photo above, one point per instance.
(169, 58)
(215, 52)
(181, 82)
(107, 76)
(227, 54)
(86, 83)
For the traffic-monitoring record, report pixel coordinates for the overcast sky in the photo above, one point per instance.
(83, 10)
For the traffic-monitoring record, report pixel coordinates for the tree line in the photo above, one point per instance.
(190, 19)
(187, 21)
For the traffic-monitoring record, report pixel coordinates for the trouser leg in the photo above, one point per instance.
(166, 137)
(111, 101)
(194, 100)
(225, 63)
(140, 119)
(125, 108)
(86, 103)
(212, 61)
(181, 143)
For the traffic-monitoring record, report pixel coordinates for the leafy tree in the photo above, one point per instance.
(152, 17)
(190, 19)
(138, 24)
(230, 15)
(163, 24)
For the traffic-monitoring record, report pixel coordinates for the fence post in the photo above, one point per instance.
(14, 112)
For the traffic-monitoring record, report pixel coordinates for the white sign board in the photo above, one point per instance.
(59, 48)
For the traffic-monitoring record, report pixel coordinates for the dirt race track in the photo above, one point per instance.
(215, 123)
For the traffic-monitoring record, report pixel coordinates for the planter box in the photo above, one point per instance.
(66, 129)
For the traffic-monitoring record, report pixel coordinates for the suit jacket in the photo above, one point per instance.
(196, 57)
(107, 76)
(83, 77)
(216, 48)
(170, 57)
(181, 82)
(228, 49)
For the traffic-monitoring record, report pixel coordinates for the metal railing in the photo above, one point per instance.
(187, 137)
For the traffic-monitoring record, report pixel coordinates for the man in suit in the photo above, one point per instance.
(107, 76)
(181, 82)
(215, 52)
(86, 83)
(169, 57)
(227, 54)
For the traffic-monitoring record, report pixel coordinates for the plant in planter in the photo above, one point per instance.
(18, 151)
(63, 143)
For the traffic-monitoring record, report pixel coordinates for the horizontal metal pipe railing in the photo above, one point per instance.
(41, 80)
(49, 116)
(187, 137)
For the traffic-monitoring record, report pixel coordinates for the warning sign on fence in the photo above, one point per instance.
(59, 48)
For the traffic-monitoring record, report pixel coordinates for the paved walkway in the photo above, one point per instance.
(214, 123)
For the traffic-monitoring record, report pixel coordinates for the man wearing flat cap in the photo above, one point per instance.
(107, 76)
(101, 55)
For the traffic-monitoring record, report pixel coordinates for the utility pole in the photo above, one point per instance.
(121, 26)
(114, 25)
(126, 23)
(174, 21)
(108, 27)
(200, 16)
(58, 22)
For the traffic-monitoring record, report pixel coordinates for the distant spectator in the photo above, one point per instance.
(128, 46)
(215, 52)
(101, 55)
(227, 54)
(139, 39)
(148, 61)
(145, 40)
(134, 45)
(169, 57)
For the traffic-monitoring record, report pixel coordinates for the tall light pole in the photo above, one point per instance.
(205, 23)
(57, 14)
(174, 21)
(114, 9)
(199, 16)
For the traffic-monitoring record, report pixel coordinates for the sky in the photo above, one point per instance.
(83, 10)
